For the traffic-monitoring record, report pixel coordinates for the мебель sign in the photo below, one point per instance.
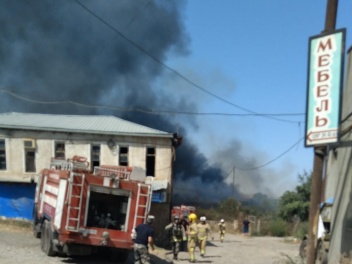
(325, 69)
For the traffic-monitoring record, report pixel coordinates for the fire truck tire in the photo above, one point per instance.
(47, 239)
(322, 254)
(36, 227)
(36, 234)
(303, 249)
(119, 255)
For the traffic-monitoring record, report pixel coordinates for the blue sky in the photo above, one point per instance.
(254, 54)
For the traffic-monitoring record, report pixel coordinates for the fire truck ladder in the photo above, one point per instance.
(140, 206)
(73, 211)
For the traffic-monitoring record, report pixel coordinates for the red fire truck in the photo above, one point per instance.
(184, 210)
(78, 212)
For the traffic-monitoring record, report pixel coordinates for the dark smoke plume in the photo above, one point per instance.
(56, 50)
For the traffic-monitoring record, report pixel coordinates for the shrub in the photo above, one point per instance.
(302, 230)
(279, 228)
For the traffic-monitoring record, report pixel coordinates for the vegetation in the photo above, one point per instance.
(286, 216)
(295, 204)
(13, 224)
(279, 228)
(301, 230)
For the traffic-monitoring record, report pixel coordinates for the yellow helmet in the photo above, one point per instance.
(192, 217)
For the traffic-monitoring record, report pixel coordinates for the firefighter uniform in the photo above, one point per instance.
(177, 235)
(203, 232)
(222, 229)
(192, 233)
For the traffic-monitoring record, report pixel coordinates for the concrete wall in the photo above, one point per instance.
(80, 144)
(339, 180)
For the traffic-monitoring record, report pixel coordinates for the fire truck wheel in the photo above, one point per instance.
(119, 255)
(36, 233)
(303, 249)
(46, 239)
(322, 254)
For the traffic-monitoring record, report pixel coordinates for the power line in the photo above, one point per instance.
(169, 68)
(269, 162)
(141, 110)
(136, 15)
(151, 112)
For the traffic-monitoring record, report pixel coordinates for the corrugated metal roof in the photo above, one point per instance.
(96, 124)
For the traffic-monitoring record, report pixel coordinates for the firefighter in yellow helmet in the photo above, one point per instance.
(203, 232)
(192, 232)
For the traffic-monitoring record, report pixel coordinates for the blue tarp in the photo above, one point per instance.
(17, 200)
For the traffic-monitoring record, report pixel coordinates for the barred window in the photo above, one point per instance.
(60, 150)
(95, 156)
(30, 160)
(123, 156)
(2, 154)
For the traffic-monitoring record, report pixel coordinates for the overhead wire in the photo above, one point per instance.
(171, 69)
(150, 112)
(141, 110)
(250, 112)
(271, 161)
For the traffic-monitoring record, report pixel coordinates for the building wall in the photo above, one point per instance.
(162, 219)
(80, 144)
(340, 180)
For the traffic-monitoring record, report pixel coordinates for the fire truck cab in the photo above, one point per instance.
(78, 212)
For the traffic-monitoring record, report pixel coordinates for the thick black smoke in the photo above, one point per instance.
(57, 50)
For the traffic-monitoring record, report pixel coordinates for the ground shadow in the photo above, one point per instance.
(105, 260)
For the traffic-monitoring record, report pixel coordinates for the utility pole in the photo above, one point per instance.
(319, 153)
(233, 183)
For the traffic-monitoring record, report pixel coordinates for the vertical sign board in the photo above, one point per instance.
(325, 71)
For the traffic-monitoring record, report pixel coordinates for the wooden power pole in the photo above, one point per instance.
(319, 153)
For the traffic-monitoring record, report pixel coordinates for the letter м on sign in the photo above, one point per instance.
(324, 88)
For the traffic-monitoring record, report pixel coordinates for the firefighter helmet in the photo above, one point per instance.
(176, 217)
(150, 219)
(192, 217)
(222, 220)
(203, 219)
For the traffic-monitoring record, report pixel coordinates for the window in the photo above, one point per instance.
(60, 150)
(30, 160)
(29, 155)
(123, 156)
(2, 155)
(150, 161)
(95, 158)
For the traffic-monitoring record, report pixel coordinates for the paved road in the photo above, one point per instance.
(20, 247)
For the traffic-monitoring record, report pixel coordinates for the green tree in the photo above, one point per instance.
(296, 203)
(229, 207)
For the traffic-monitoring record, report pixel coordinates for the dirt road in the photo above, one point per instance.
(20, 247)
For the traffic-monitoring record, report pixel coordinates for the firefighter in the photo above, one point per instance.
(143, 236)
(178, 234)
(203, 232)
(192, 233)
(222, 229)
(185, 224)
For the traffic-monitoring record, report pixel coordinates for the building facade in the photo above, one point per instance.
(29, 141)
